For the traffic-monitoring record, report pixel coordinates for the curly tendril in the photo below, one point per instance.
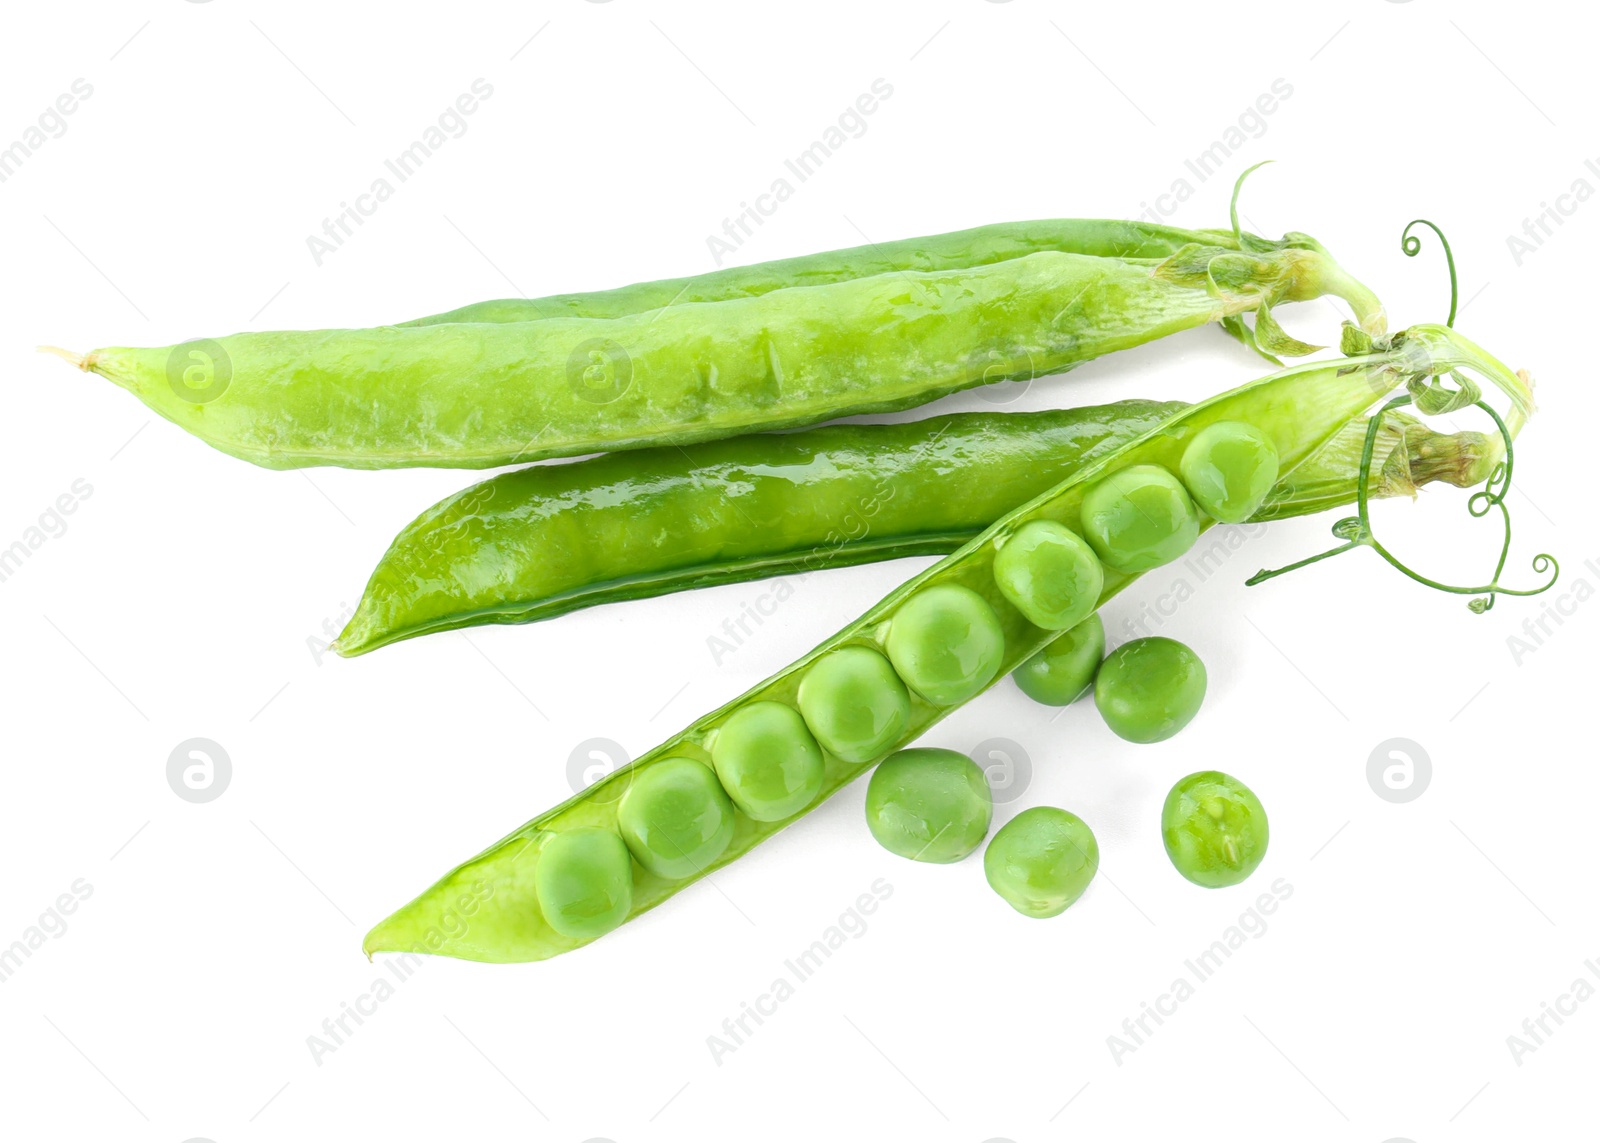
(1411, 245)
(1357, 532)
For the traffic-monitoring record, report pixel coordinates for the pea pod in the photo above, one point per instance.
(979, 246)
(548, 539)
(488, 908)
(479, 395)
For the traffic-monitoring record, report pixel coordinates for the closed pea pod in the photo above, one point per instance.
(548, 539)
(1303, 408)
(477, 394)
(978, 246)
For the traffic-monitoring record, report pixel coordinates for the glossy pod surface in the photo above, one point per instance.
(548, 539)
(478, 395)
(1302, 408)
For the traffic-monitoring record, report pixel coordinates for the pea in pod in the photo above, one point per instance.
(488, 908)
(484, 394)
(548, 539)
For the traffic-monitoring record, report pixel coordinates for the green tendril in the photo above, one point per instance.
(1357, 532)
(1411, 245)
(1233, 203)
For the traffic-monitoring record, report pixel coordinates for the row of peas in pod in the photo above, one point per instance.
(943, 645)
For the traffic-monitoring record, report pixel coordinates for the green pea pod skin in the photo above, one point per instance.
(486, 909)
(548, 539)
(484, 395)
(979, 246)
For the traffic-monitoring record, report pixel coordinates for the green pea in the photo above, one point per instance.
(929, 805)
(1139, 518)
(676, 818)
(947, 643)
(768, 761)
(1215, 829)
(1064, 671)
(854, 703)
(1229, 468)
(1148, 689)
(1049, 574)
(1042, 860)
(584, 881)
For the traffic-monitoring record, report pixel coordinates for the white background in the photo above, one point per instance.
(188, 590)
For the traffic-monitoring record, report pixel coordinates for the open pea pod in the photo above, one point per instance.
(489, 908)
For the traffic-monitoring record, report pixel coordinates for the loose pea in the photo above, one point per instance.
(1149, 689)
(1042, 860)
(1139, 518)
(1064, 671)
(929, 805)
(854, 703)
(676, 818)
(946, 643)
(1229, 468)
(1049, 574)
(768, 761)
(1215, 829)
(584, 881)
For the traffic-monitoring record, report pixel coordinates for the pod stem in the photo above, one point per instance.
(78, 359)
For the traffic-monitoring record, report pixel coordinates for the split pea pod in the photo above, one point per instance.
(978, 246)
(548, 539)
(938, 641)
(478, 395)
